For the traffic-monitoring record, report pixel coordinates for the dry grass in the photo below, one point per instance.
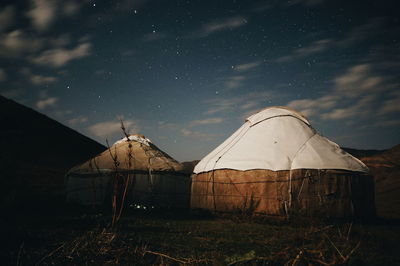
(174, 238)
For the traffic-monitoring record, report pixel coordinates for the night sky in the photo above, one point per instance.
(187, 73)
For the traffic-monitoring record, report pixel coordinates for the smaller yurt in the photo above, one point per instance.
(155, 179)
(277, 164)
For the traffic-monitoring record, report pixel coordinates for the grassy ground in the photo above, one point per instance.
(81, 237)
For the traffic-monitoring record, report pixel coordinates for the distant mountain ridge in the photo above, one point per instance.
(385, 167)
(362, 153)
(35, 151)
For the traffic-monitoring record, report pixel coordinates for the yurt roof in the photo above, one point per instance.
(144, 155)
(278, 138)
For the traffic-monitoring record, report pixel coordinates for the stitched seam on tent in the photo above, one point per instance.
(205, 165)
(295, 155)
(106, 173)
(237, 140)
(251, 125)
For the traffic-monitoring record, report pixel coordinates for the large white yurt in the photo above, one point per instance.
(277, 164)
(155, 179)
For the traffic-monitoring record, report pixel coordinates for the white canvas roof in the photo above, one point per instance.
(278, 138)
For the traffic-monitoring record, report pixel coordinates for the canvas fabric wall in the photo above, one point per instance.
(332, 193)
(160, 189)
(157, 179)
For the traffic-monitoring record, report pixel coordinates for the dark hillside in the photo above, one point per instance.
(385, 167)
(362, 153)
(36, 151)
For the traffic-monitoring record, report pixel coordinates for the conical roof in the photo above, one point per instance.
(144, 155)
(278, 138)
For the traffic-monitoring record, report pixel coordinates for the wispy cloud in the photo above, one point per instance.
(354, 36)
(310, 106)
(357, 92)
(359, 108)
(38, 79)
(60, 56)
(163, 125)
(77, 120)
(42, 13)
(71, 8)
(362, 32)
(392, 104)
(111, 128)
(360, 79)
(233, 82)
(388, 123)
(12, 93)
(208, 121)
(315, 47)
(17, 42)
(244, 102)
(218, 25)
(247, 66)
(47, 102)
(197, 135)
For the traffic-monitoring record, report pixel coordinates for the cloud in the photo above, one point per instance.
(71, 8)
(77, 120)
(197, 135)
(218, 25)
(362, 32)
(47, 102)
(246, 101)
(358, 80)
(60, 41)
(167, 126)
(11, 93)
(61, 113)
(362, 90)
(17, 42)
(42, 13)
(3, 75)
(247, 66)
(7, 17)
(309, 107)
(111, 128)
(315, 47)
(355, 35)
(60, 56)
(357, 109)
(38, 79)
(392, 104)
(234, 82)
(388, 123)
(208, 121)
